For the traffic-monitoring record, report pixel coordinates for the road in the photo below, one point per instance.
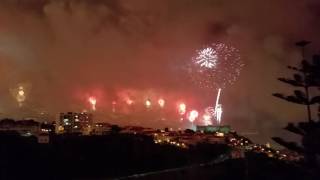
(217, 160)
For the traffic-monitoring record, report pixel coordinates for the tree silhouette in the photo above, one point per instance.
(115, 129)
(306, 76)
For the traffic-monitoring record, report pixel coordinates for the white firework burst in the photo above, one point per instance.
(207, 58)
(215, 66)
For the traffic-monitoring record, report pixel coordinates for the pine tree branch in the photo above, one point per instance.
(292, 99)
(289, 145)
(315, 100)
(308, 127)
(292, 128)
(294, 68)
(291, 82)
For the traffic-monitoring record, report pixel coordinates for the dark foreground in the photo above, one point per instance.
(124, 156)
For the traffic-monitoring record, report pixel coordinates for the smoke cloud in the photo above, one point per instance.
(66, 51)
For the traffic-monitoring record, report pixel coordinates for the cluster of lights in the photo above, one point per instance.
(45, 130)
(161, 139)
(243, 143)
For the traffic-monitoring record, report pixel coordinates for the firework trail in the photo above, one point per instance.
(114, 104)
(218, 108)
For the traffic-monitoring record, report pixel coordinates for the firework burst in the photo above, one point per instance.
(193, 115)
(161, 103)
(207, 58)
(148, 103)
(20, 93)
(182, 108)
(215, 66)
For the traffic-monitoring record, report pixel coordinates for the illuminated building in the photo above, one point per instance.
(214, 129)
(72, 122)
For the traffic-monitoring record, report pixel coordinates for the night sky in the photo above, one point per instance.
(62, 52)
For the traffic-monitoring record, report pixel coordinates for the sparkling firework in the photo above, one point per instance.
(114, 103)
(215, 66)
(210, 111)
(182, 108)
(207, 58)
(207, 119)
(218, 113)
(93, 101)
(19, 94)
(193, 115)
(161, 103)
(20, 97)
(148, 103)
(129, 101)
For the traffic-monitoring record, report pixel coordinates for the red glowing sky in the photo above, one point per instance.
(66, 51)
